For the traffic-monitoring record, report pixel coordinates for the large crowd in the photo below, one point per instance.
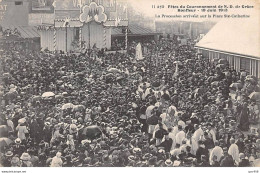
(97, 109)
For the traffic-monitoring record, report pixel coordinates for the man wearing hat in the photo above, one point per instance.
(152, 161)
(47, 131)
(18, 148)
(7, 159)
(15, 162)
(25, 160)
(168, 163)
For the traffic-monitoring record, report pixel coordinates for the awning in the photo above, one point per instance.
(235, 36)
(134, 31)
(25, 31)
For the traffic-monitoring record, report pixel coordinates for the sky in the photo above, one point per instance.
(145, 7)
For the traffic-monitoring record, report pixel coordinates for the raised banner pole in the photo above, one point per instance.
(104, 37)
(80, 36)
(80, 28)
(66, 39)
(126, 38)
(55, 39)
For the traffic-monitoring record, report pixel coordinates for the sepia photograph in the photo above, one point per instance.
(129, 83)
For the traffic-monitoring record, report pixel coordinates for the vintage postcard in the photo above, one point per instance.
(129, 83)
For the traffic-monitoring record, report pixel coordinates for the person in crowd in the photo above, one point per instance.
(233, 150)
(97, 108)
(216, 153)
(215, 162)
(227, 160)
(243, 161)
(202, 151)
(57, 161)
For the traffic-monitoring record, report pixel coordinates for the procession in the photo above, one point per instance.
(158, 103)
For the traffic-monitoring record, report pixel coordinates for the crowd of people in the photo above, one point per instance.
(97, 109)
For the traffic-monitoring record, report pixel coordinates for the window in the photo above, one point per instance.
(42, 6)
(77, 34)
(18, 2)
(245, 64)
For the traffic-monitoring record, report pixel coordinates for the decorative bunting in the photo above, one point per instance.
(104, 36)
(55, 39)
(80, 36)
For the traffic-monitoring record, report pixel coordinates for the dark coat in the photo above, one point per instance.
(244, 163)
(227, 161)
(18, 149)
(244, 119)
(241, 146)
(167, 144)
(215, 164)
(209, 144)
(202, 151)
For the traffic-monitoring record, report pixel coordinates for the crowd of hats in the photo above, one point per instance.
(87, 110)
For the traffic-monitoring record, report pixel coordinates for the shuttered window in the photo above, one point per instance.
(245, 64)
(18, 2)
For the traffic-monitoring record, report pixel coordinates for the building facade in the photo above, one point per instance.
(88, 24)
(237, 61)
(14, 12)
(237, 41)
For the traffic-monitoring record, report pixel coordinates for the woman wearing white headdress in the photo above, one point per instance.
(233, 150)
(56, 161)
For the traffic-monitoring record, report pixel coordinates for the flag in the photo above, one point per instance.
(54, 4)
(117, 22)
(111, 3)
(80, 4)
(42, 3)
(124, 8)
(88, 19)
(75, 3)
(176, 73)
(66, 22)
(96, 17)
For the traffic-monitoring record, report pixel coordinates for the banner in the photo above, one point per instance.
(139, 54)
